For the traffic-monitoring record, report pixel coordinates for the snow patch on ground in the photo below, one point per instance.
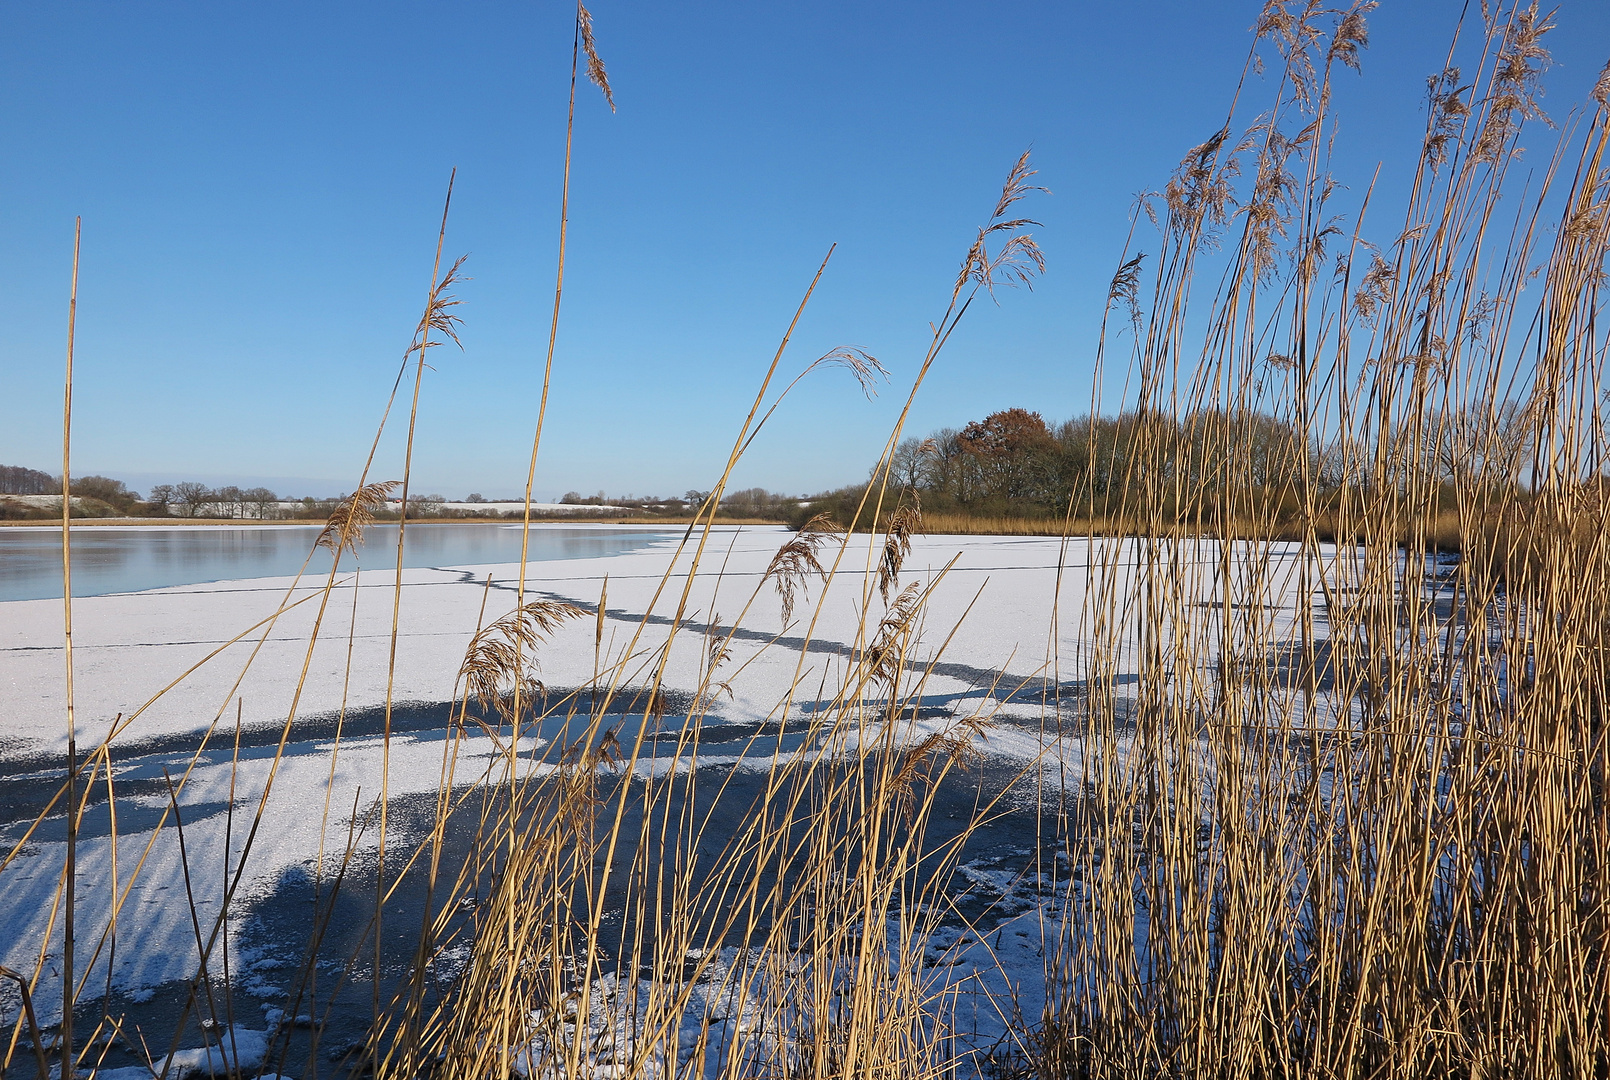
(239, 1051)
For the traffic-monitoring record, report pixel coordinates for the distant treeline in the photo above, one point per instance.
(191, 499)
(100, 496)
(16, 480)
(93, 496)
(1212, 466)
(1013, 461)
(103, 496)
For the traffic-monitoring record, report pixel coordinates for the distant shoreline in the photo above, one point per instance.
(77, 523)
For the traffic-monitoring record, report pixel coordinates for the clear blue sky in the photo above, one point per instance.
(261, 184)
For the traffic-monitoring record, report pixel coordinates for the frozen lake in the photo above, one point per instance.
(129, 646)
(993, 640)
(120, 559)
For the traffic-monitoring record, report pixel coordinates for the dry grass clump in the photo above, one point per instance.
(941, 523)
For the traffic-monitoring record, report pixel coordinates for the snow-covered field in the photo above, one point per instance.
(1006, 635)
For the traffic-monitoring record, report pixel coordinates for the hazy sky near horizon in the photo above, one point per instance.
(261, 187)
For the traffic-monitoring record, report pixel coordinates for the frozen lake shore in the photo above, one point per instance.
(998, 638)
(128, 647)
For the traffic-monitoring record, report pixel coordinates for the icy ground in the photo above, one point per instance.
(1002, 657)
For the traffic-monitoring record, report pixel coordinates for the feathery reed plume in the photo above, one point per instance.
(502, 655)
(907, 520)
(717, 651)
(1375, 288)
(796, 560)
(955, 745)
(1014, 190)
(1446, 112)
(345, 527)
(589, 756)
(860, 363)
(595, 66)
(1201, 191)
(1517, 82)
(1017, 260)
(1125, 289)
(1295, 37)
(439, 315)
(1352, 34)
(885, 658)
(791, 566)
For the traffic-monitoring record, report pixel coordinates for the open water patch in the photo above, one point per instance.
(133, 558)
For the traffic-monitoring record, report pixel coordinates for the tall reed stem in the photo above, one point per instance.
(69, 899)
(396, 593)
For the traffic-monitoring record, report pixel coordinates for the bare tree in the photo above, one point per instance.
(908, 469)
(229, 499)
(425, 505)
(193, 496)
(264, 503)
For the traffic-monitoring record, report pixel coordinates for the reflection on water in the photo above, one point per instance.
(110, 559)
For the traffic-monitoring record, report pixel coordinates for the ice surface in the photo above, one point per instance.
(1020, 645)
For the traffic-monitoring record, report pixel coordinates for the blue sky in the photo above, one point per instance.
(261, 187)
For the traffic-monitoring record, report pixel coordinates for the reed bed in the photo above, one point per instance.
(1350, 822)
(1328, 796)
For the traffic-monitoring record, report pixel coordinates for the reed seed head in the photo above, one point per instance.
(906, 521)
(439, 315)
(790, 569)
(345, 527)
(502, 657)
(595, 67)
(860, 363)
